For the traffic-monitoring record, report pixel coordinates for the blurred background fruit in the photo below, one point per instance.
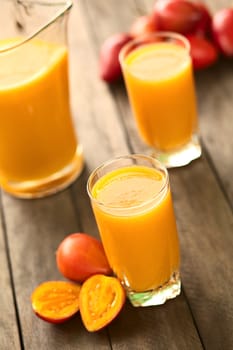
(209, 34)
(143, 25)
(203, 27)
(109, 65)
(222, 27)
(181, 16)
(203, 52)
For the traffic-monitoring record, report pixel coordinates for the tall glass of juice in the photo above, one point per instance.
(39, 150)
(157, 69)
(132, 204)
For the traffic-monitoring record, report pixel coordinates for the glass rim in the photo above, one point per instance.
(158, 165)
(66, 6)
(139, 40)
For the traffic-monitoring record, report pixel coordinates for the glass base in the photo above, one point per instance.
(49, 185)
(181, 156)
(159, 295)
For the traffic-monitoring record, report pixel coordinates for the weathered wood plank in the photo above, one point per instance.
(9, 333)
(94, 110)
(215, 95)
(163, 327)
(205, 224)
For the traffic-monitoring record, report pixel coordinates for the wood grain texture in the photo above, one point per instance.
(163, 327)
(9, 333)
(215, 95)
(205, 225)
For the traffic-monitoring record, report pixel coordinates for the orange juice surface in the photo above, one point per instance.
(160, 85)
(135, 216)
(37, 137)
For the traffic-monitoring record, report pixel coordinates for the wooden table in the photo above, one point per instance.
(30, 230)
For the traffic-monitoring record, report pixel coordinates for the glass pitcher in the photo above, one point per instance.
(39, 150)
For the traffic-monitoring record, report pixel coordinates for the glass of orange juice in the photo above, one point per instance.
(157, 70)
(132, 204)
(39, 150)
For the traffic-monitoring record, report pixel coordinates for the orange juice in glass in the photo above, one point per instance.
(132, 204)
(39, 149)
(159, 79)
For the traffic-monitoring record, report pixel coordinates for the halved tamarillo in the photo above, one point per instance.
(101, 299)
(56, 301)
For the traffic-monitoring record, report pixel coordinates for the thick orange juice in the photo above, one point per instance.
(160, 86)
(135, 217)
(37, 137)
